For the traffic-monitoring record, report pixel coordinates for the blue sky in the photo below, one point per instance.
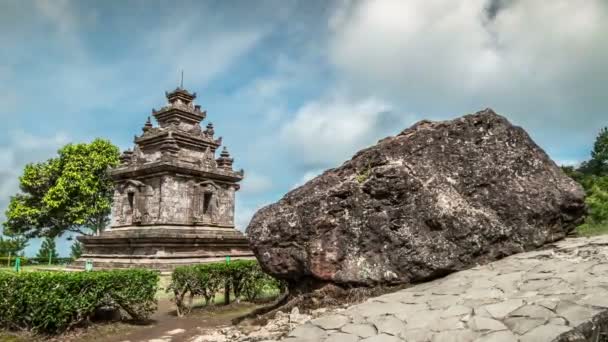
(295, 87)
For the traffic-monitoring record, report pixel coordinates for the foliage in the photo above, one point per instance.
(12, 246)
(598, 164)
(593, 176)
(597, 200)
(48, 249)
(363, 175)
(245, 277)
(64, 194)
(257, 282)
(76, 250)
(52, 302)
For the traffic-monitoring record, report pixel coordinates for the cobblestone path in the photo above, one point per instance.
(558, 294)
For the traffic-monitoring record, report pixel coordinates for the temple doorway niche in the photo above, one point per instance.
(132, 208)
(207, 196)
(206, 202)
(131, 200)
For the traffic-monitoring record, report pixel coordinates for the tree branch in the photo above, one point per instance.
(78, 230)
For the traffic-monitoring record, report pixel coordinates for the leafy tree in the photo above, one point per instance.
(14, 246)
(47, 249)
(598, 164)
(593, 176)
(68, 193)
(597, 201)
(76, 250)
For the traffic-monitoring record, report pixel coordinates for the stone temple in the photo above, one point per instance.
(173, 200)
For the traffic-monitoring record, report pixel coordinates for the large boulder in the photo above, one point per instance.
(437, 198)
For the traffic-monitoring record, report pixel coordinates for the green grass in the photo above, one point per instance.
(16, 337)
(31, 268)
(163, 283)
(589, 229)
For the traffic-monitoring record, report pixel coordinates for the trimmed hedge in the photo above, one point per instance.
(244, 277)
(52, 302)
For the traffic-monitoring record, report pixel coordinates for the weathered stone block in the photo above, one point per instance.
(437, 198)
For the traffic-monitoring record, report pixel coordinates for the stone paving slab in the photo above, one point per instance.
(557, 294)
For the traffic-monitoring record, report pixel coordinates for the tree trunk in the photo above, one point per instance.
(227, 293)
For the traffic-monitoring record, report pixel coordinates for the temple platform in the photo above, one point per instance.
(162, 247)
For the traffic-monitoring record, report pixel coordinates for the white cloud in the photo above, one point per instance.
(255, 183)
(413, 45)
(328, 131)
(66, 23)
(203, 55)
(73, 66)
(541, 63)
(244, 213)
(308, 175)
(26, 141)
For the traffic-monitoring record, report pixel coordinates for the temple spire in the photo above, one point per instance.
(210, 131)
(224, 161)
(148, 125)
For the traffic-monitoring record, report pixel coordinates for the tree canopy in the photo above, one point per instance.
(12, 246)
(47, 249)
(598, 164)
(69, 193)
(593, 176)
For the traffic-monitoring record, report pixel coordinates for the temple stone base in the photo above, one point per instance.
(162, 247)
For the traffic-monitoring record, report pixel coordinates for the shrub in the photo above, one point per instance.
(597, 200)
(596, 221)
(244, 277)
(52, 302)
(256, 282)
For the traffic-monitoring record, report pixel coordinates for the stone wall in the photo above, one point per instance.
(173, 199)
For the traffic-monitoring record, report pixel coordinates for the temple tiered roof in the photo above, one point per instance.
(179, 109)
(178, 141)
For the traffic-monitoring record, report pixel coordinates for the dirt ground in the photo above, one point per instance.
(163, 321)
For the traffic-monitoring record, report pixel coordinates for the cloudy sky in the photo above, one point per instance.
(295, 87)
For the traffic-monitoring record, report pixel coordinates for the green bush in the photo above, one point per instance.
(52, 302)
(597, 200)
(256, 283)
(244, 277)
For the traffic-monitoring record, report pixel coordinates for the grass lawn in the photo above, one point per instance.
(8, 337)
(31, 268)
(592, 229)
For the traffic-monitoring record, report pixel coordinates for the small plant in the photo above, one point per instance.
(364, 175)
